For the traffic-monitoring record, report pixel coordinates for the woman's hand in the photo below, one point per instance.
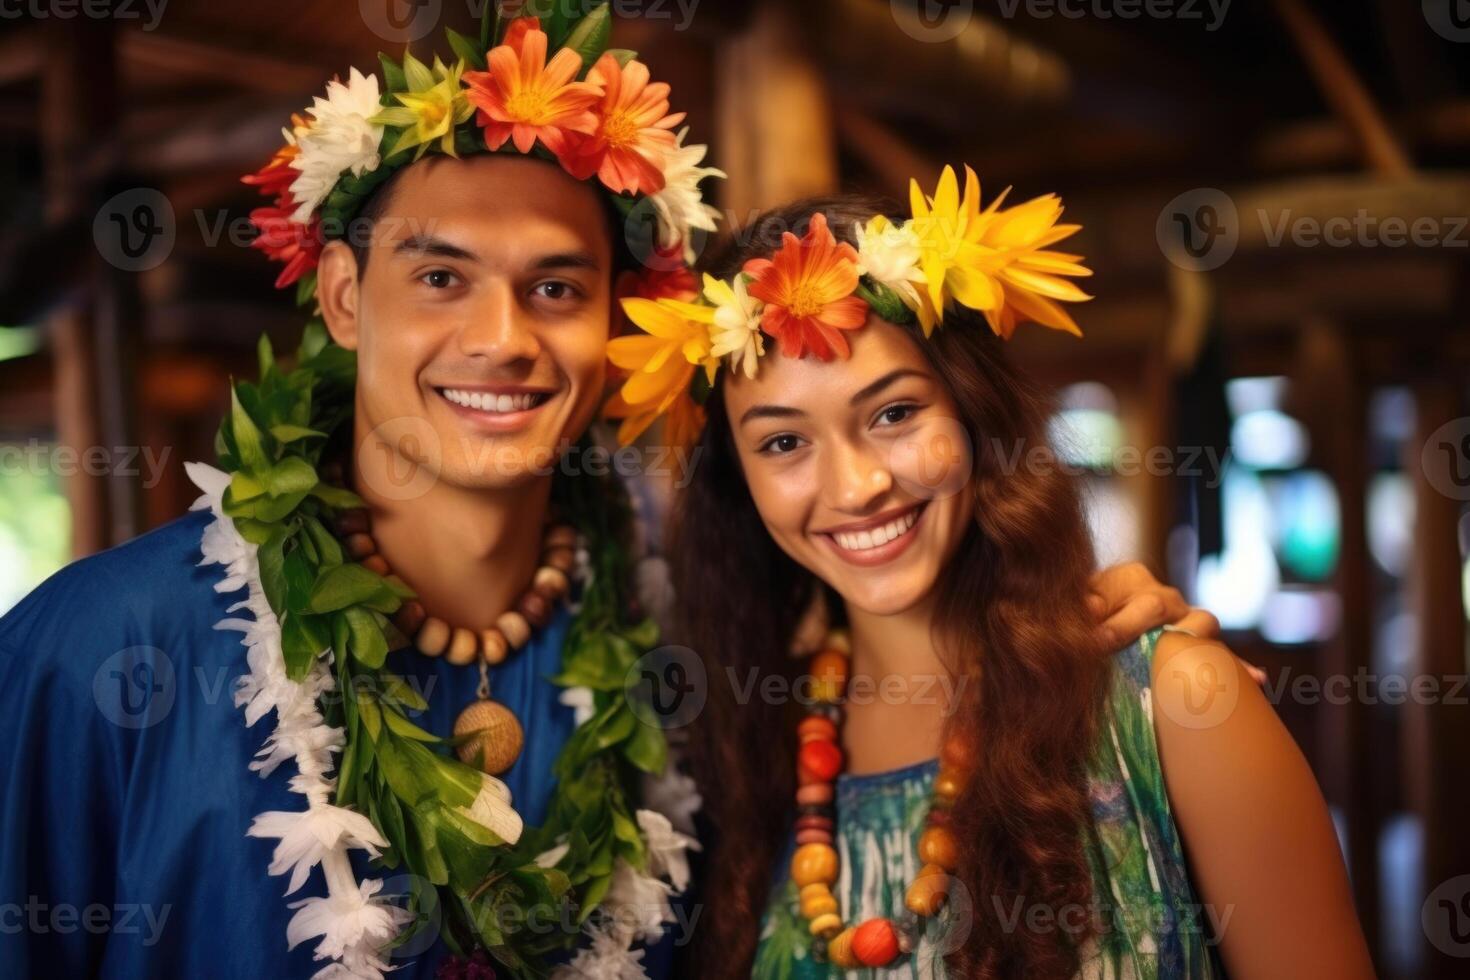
(1128, 601)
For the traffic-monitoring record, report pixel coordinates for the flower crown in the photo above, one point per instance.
(538, 83)
(815, 288)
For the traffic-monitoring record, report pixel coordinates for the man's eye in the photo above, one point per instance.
(556, 289)
(438, 278)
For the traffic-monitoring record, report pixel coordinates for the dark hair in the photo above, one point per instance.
(376, 205)
(1011, 617)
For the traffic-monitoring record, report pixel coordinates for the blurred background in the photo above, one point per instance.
(1271, 408)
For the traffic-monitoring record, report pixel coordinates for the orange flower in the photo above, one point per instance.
(808, 291)
(631, 144)
(522, 98)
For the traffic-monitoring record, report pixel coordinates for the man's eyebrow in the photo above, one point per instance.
(770, 412)
(564, 260)
(429, 245)
(884, 382)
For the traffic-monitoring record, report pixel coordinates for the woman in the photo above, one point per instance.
(1017, 801)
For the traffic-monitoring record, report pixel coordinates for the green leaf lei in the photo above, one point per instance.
(273, 444)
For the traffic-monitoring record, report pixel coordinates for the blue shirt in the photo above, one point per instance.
(125, 788)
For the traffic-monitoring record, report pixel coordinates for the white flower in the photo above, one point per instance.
(679, 205)
(675, 795)
(607, 957)
(552, 857)
(580, 700)
(339, 138)
(307, 835)
(736, 329)
(889, 254)
(345, 921)
(666, 847)
(637, 903)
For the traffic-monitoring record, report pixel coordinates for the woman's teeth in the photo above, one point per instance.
(488, 402)
(878, 536)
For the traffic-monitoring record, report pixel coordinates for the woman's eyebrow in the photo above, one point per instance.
(884, 382)
(770, 412)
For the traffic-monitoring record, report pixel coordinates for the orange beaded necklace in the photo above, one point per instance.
(814, 865)
(491, 733)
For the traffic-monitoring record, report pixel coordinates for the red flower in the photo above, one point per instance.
(283, 240)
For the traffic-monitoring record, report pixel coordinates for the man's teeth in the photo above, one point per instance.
(488, 402)
(865, 540)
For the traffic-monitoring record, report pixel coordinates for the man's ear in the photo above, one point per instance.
(337, 292)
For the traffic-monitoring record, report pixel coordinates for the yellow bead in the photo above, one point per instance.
(946, 787)
(937, 846)
(839, 950)
(817, 906)
(814, 863)
(825, 925)
(928, 891)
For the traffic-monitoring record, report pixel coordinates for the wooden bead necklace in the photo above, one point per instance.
(491, 733)
(814, 865)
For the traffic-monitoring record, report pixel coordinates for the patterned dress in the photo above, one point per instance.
(1152, 925)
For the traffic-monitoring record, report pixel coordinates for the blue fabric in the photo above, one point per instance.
(125, 791)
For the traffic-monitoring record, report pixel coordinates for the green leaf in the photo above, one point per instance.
(393, 77)
(401, 692)
(337, 498)
(287, 433)
(271, 558)
(303, 638)
(648, 749)
(343, 586)
(291, 476)
(265, 356)
(366, 639)
(466, 49)
(244, 487)
(299, 579)
(589, 38)
(326, 542)
(400, 725)
(623, 55)
(247, 437)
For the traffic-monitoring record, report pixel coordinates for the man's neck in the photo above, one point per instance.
(469, 553)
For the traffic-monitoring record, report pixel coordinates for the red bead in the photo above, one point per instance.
(822, 760)
(815, 794)
(813, 836)
(815, 727)
(875, 943)
(813, 821)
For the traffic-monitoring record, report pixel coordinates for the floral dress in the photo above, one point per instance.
(1152, 925)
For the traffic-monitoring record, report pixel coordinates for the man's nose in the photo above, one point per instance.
(499, 327)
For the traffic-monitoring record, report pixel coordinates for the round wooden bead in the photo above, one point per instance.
(535, 608)
(822, 760)
(818, 820)
(433, 636)
(551, 582)
(957, 755)
(375, 564)
(354, 521)
(818, 794)
(463, 646)
(825, 925)
(561, 536)
(497, 736)
(359, 546)
(812, 835)
(829, 675)
(818, 905)
(838, 639)
(839, 950)
(814, 863)
(927, 892)
(937, 846)
(493, 646)
(875, 943)
(562, 559)
(515, 628)
(410, 616)
(816, 726)
(946, 787)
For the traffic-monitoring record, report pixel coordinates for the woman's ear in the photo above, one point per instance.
(337, 292)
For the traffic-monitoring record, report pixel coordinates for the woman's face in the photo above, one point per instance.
(860, 468)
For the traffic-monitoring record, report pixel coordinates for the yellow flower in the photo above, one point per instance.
(735, 327)
(661, 363)
(994, 260)
(430, 109)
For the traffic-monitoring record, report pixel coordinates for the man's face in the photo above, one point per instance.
(481, 320)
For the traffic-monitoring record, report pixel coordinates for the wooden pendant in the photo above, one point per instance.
(497, 740)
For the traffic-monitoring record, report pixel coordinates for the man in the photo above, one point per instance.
(134, 838)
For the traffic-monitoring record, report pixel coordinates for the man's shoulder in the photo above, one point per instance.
(147, 590)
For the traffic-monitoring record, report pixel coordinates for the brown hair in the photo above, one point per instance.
(1011, 614)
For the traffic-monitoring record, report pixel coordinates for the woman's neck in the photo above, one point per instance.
(469, 553)
(899, 692)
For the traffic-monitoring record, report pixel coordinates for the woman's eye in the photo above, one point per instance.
(894, 414)
(438, 278)
(780, 445)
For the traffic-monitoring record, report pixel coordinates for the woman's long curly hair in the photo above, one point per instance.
(1011, 616)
